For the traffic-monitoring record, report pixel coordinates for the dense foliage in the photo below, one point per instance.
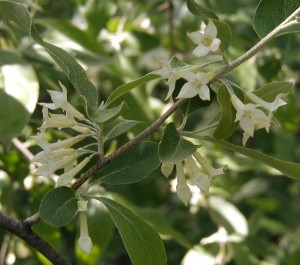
(243, 210)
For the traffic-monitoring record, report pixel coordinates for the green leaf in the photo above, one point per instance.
(200, 11)
(104, 115)
(59, 206)
(123, 89)
(141, 241)
(13, 118)
(173, 148)
(242, 255)
(229, 216)
(289, 169)
(156, 219)
(269, 91)
(176, 63)
(18, 96)
(270, 14)
(118, 127)
(132, 166)
(226, 126)
(20, 15)
(224, 33)
(162, 226)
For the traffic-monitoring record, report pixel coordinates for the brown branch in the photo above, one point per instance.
(144, 134)
(23, 230)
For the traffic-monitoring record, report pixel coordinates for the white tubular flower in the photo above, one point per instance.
(201, 180)
(60, 100)
(172, 74)
(56, 121)
(196, 85)
(182, 189)
(84, 241)
(209, 170)
(55, 164)
(206, 41)
(66, 178)
(268, 106)
(250, 118)
(44, 156)
(166, 169)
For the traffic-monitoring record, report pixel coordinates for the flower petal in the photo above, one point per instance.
(188, 91)
(211, 30)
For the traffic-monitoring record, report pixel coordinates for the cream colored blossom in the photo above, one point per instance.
(206, 41)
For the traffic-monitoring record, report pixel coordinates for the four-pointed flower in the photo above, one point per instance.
(206, 41)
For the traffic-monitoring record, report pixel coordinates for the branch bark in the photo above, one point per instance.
(22, 230)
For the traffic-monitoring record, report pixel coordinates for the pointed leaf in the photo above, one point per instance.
(59, 206)
(270, 14)
(20, 15)
(200, 11)
(141, 241)
(226, 126)
(123, 89)
(269, 91)
(104, 115)
(118, 127)
(173, 148)
(289, 169)
(132, 166)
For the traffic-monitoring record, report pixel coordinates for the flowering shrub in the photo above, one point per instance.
(85, 150)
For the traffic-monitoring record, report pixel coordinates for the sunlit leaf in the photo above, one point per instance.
(20, 15)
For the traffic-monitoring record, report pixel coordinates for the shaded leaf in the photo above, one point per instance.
(141, 241)
(224, 33)
(123, 89)
(118, 127)
(59, 206)
(200, 11)
(173, 148)
(104, 115)
(289, 169)
(132, 166)
(269, 91)
(226, 126)
(270, 14)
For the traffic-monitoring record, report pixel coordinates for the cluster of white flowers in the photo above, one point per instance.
(253, 117)
(196, 82)
(201, 177)
(61, 154)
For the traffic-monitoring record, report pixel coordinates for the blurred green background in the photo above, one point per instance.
(255, 211)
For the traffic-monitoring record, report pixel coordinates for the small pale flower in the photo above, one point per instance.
(84, 240)
(206, 41)
(66, 178)
(82, 205)
(250, 118)
(196, 85)
(166, 169)
(60, 100)
(182, 189)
